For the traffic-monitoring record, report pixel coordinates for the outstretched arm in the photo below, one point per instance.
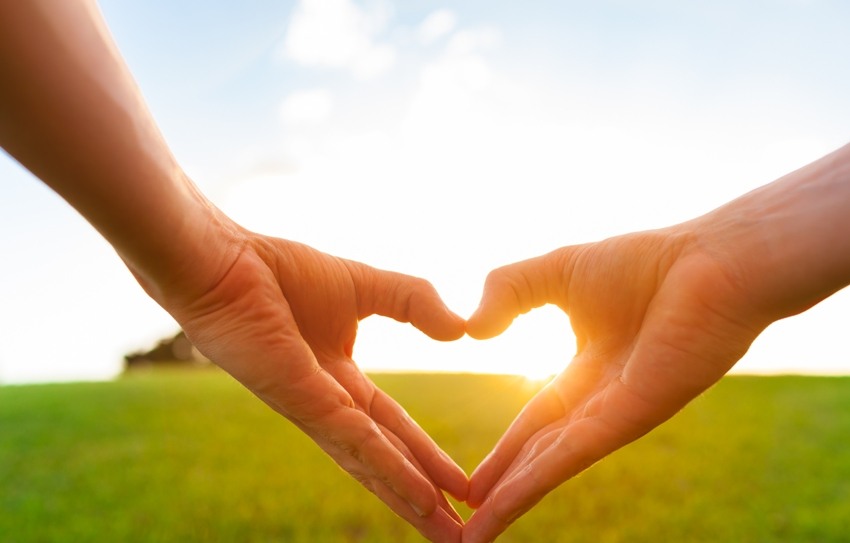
(279, 316)
(659, 317)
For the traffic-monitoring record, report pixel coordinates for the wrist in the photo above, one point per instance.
(788, 242)
(188, 251)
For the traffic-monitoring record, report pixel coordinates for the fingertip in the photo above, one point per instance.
(474, 499)
(479, 485)
(424, 503)
(445, 526)
(430, 314)
(449, 327)
(516, 289)
(452, 478)
(485, 323)
(482, 527)
(447, 474)
(441, 525)
(405, 298)
(459, 489)
(507, 293)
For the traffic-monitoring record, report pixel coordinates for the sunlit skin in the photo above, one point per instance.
(659, 317)
(283, 321)
(278, 316)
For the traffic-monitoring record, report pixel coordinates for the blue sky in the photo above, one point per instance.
(442, 140)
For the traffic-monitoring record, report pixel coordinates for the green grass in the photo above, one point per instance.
(188, 456)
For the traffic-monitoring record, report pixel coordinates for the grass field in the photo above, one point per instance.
(183, 456)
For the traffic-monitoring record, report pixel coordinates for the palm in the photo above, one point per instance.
(656, 322)
(283, 321)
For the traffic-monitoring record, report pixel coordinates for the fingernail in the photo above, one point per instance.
(417, 510)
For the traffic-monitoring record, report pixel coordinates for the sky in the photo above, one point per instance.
(442, 140)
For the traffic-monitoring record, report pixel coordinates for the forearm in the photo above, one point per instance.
(71, 113)
(790, 239)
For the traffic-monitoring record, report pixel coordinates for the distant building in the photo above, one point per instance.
(173, 350)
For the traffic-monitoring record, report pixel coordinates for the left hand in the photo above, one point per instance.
(282, 319)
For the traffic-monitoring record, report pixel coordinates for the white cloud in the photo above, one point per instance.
(474, 40)
(436, 25)
(339, 34)
(373, 61)
(450, 85)
(307, 106)
(451, 89)
(458, 75)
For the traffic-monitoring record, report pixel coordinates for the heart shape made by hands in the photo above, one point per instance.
(649, 311)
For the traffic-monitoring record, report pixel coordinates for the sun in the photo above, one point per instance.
(540, 375)
(541, 366)
(537, 345)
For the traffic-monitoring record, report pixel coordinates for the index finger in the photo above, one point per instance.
(560, 455)
(444, 525)
(437, 464)
(542, 410)
(558, 400)
(358, 435)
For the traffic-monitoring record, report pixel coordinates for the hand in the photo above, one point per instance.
(658, 318)
(283, 320)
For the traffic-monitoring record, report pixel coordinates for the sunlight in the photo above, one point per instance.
(536, 346)
(436, 143)
(540, 376)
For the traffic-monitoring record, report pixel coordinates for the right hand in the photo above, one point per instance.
(658, 318)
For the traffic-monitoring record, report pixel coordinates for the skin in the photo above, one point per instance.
(279, 316)
(659, 317)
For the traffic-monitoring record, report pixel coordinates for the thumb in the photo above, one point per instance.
(516, 289)
(406, 299)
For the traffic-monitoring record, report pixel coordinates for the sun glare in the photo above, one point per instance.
(539, 375)
(538, 345)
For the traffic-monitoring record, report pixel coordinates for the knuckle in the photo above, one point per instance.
(497, 277)
(420, 284)
(502, 511)
(364, 443)
(392, 473)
